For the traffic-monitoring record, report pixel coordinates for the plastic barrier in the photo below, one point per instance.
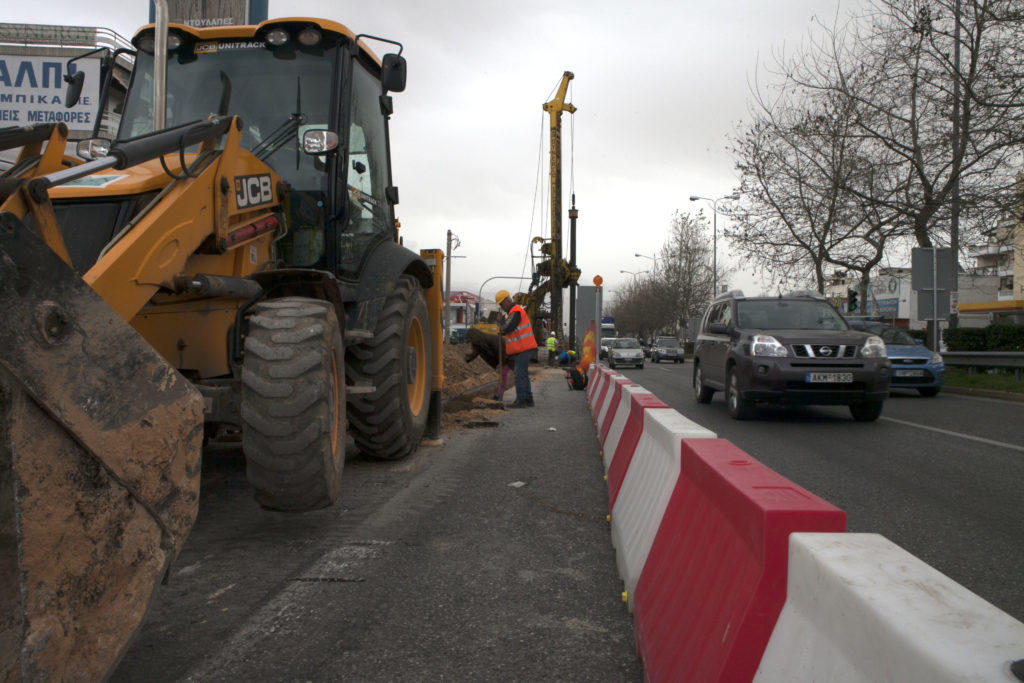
(618, 459)
(617, 425)
(611, 407)
(647, 487)
(600, 391)
(595, 372)
(902, 620)
(715, 579)
(604, 398)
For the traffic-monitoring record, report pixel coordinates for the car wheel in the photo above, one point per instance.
(869, 411)
(930, 392)
(702, 393)
(640, 367)
(739, 407)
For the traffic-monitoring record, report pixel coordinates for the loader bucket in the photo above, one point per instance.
(100, 442)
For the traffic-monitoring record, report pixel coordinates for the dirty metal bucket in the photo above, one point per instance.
(100, 442)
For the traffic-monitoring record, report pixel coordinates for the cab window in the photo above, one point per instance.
(367, 213)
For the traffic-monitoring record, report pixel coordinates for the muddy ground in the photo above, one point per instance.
(469, 390)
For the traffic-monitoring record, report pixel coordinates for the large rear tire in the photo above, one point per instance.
(389, 423)
(293, 404)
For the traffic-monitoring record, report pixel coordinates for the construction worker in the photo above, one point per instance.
(552, 344)
(519, 345)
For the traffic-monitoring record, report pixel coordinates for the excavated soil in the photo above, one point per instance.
(465, 408)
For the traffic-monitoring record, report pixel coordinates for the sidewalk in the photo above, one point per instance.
(487, 558)
(516, 573)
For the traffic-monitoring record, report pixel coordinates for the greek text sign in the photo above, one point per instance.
(32, 91)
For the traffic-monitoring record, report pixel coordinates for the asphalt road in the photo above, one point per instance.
(431, 568)
(942, 477)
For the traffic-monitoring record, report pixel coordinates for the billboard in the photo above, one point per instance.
(32, 91)
(207, 13)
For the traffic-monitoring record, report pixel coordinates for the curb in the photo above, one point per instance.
(984, 393)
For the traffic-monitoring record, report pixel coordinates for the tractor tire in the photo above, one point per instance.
(389, 423)
(293, 404)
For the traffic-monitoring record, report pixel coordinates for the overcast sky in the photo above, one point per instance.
(658, 85)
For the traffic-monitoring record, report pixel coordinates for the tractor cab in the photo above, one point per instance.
(314, 108)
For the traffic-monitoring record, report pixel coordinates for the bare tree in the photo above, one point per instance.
(680, 287)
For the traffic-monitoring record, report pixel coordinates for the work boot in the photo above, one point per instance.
(519, 404)
(529, 402)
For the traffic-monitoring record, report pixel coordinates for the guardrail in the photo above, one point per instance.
(987, 359)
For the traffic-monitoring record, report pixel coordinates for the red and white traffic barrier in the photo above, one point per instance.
(640, 505)
(714, 581)
(724, 583)
(860, 608)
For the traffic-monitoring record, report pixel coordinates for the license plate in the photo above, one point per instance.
(829, 377)
(909, 373)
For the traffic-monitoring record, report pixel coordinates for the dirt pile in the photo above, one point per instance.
(460, 376)
(462, 408)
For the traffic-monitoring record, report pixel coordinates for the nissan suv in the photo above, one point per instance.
(794, 349)
(667, 348)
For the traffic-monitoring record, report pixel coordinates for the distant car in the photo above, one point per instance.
(667, 348)
(605, 341)
(914, 366)
(647, 348)
(625, 351)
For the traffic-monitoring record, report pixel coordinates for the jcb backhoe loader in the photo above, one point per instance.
(232, 273)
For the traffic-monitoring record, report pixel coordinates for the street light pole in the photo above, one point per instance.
(654, 259)
(639, 272)
(714, 236)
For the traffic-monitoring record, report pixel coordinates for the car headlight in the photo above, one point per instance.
(937, 359)
(766, 345)
(874, 347)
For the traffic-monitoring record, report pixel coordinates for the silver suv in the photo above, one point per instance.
(789, 349)
(667, 348)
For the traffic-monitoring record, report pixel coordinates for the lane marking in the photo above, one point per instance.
(990, 442)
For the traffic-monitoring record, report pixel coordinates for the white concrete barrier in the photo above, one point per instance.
(611, 441)
(603, 399)
(647, 487)
(860, 608)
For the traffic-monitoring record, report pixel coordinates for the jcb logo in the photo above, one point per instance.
(253, 190)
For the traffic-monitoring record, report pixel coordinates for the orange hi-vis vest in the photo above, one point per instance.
(520, 339)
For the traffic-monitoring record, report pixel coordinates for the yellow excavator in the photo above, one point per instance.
(228, 269)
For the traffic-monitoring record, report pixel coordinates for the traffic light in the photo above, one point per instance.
(851, 300)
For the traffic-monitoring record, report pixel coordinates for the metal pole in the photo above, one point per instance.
(954, 230)
(597, 323)
(935, 298)
(573, 215)
(714, 249)
(446, 327)
(161, 14)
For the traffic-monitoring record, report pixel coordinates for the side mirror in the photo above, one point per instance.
(93, 148)
(717, 328)
(75, 82)
(319, 141)
(392, 75)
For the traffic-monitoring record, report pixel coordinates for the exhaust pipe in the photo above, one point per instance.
(161, 14)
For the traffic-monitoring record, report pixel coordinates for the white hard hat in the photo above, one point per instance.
(552, 334)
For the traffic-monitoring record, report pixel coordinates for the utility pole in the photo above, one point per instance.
(446, 325)
(573, 215)
(954, 229)
(555, 108)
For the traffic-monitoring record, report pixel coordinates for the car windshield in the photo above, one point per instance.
(787, 314)
(888, 333)
(626, 343)
(671, 343)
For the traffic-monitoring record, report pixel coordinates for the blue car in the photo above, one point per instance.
(914, 366)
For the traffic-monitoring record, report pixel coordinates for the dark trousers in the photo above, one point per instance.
(522, 366)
